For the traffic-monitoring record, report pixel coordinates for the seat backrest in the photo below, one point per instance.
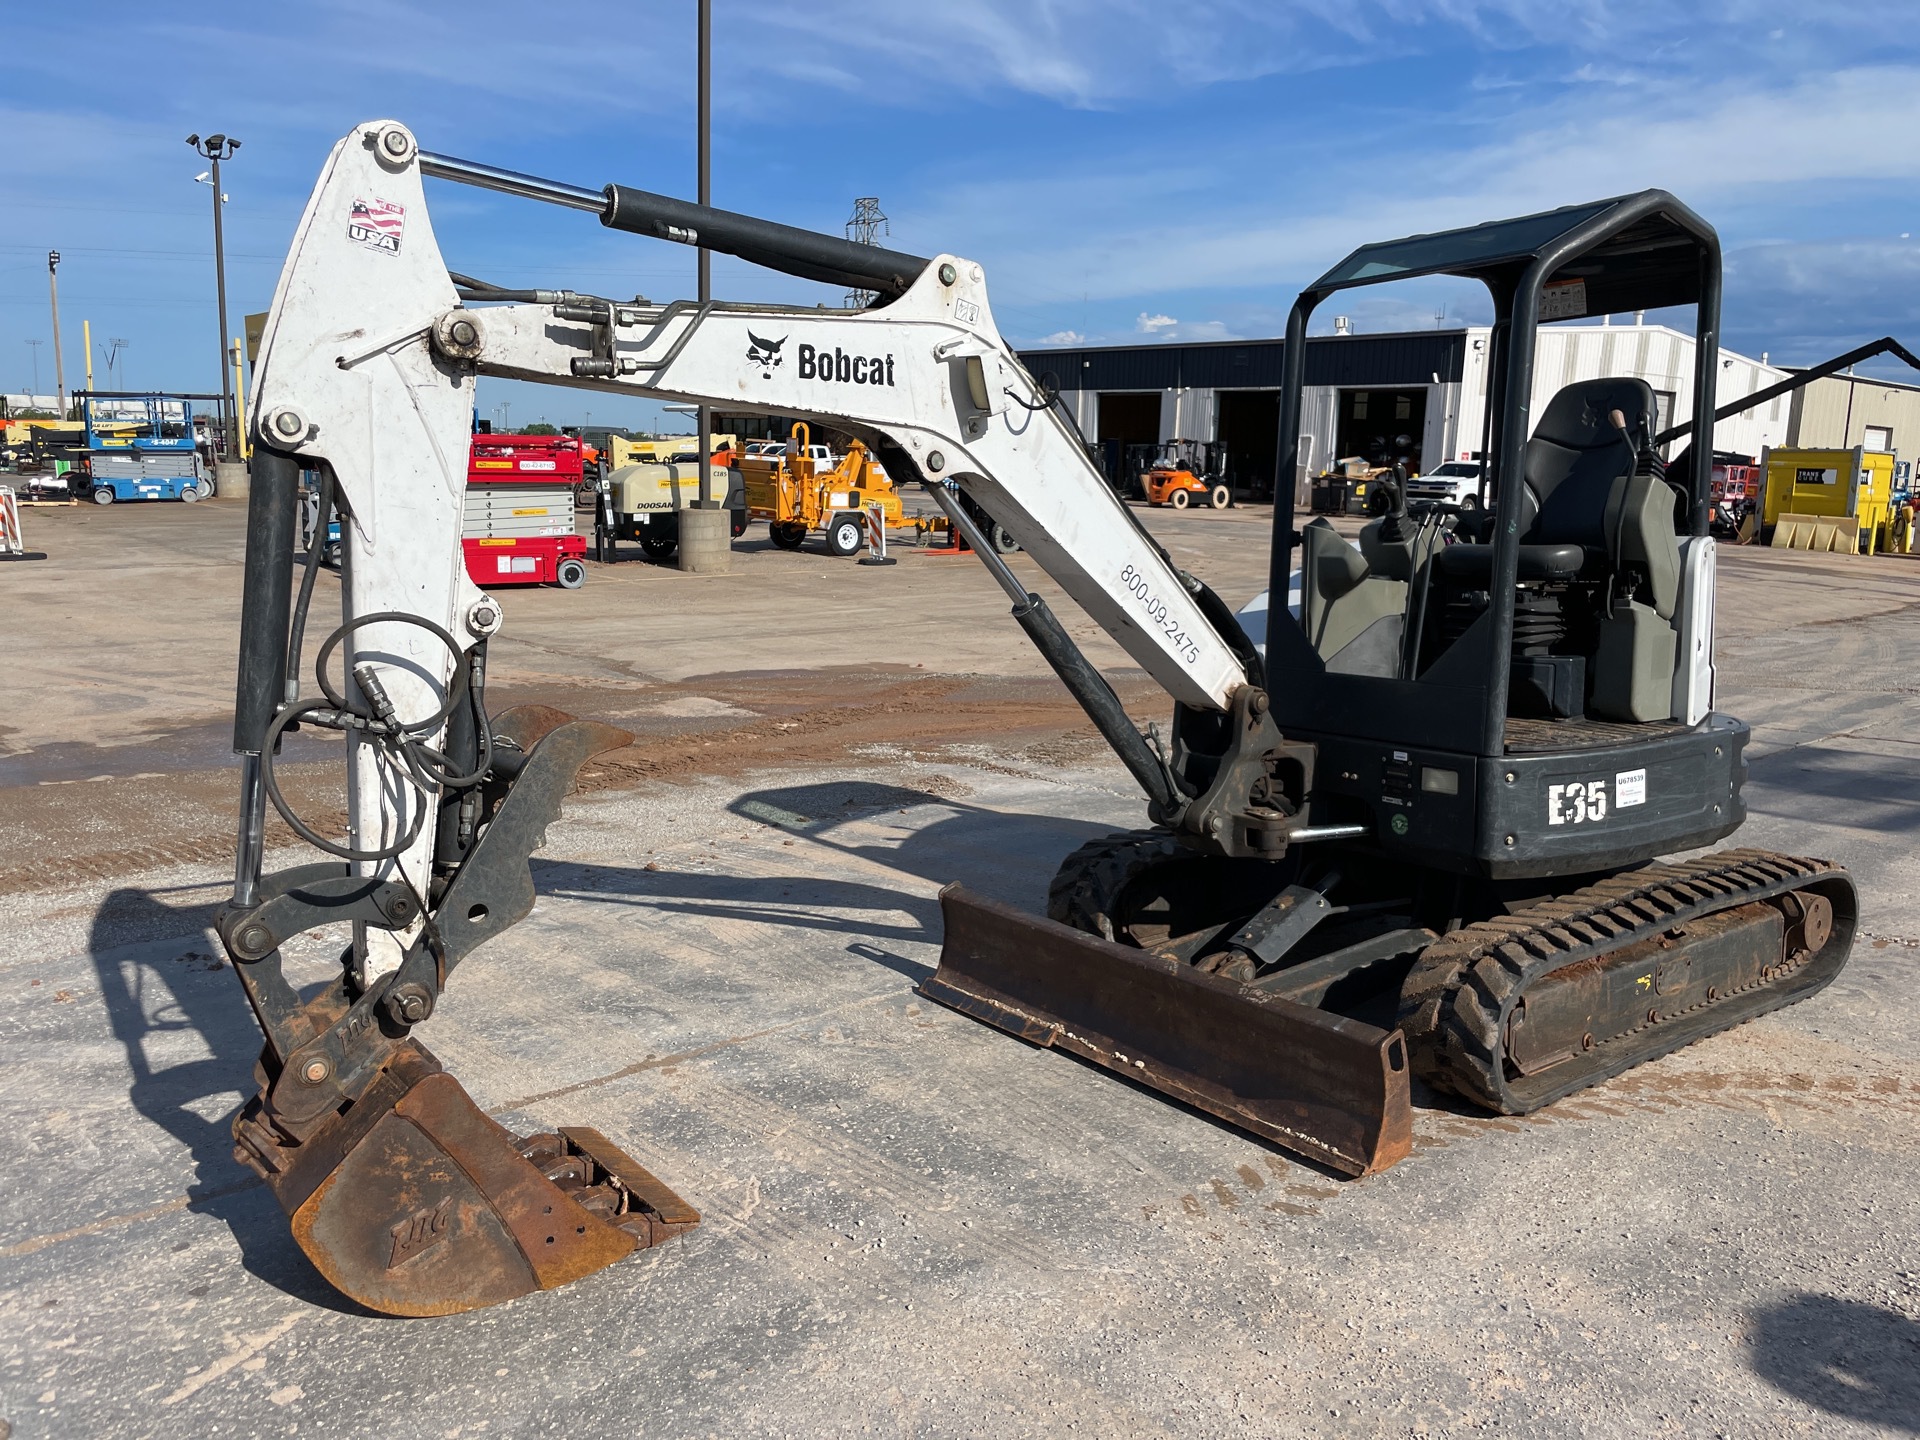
(1576, 454)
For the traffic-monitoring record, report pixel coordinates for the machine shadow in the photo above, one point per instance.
(150, 998)
(1009, 856)
(1852, 790)
(1851, 1359)
(981, 848)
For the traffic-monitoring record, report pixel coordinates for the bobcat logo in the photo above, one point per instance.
(764, 353)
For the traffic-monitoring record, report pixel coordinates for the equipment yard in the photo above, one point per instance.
(911, 1223)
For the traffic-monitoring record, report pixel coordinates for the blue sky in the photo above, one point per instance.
(1125, 170)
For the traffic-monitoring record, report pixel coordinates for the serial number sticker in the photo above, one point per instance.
(1630, 788)
(1580, 803)
(1159, 615)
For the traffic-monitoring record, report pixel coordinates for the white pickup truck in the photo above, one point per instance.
(1455, 482)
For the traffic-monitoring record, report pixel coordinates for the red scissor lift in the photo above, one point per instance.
(518, 528)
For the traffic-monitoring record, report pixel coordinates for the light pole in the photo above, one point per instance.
(703, 421)
(36, 344)
(217, 148)
(59, 370)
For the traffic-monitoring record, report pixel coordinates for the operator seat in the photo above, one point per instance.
(1584, 514)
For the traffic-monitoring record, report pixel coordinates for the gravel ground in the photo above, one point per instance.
(913, 1224)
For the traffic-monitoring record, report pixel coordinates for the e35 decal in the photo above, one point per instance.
(1580, 803)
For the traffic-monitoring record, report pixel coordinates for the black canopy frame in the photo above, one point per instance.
(1643, 251)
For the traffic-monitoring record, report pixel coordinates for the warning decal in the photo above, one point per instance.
(377, 225)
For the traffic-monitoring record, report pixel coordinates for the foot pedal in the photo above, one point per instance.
(413, 1201)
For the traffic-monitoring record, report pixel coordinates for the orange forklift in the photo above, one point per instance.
(1187, 472)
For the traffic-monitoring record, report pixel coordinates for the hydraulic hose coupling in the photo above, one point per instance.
(377, 696)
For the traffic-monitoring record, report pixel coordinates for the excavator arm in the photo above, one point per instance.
(406, 1196)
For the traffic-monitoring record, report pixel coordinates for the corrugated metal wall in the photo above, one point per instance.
(1663, 357)
(1413, 358)
(1449, 364)
(1822, 418)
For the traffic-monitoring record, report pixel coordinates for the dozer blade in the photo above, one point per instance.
(1321, 1085)
(413, 1202)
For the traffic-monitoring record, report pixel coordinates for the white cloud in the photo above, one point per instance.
(1096, 53)
(1063, 337)
(1735, 146)
(1165, 327)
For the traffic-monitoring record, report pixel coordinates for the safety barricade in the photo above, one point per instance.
(876, 517)
(12, 542)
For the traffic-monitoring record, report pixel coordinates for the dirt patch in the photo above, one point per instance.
(56, 831)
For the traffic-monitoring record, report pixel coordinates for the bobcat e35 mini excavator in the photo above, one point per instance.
(1414, 831)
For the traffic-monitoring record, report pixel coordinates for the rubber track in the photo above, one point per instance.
(1455, 1003)
(1089, 880)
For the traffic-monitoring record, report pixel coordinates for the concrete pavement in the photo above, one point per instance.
(919, 1226)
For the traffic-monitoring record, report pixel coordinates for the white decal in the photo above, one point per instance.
(1181, 643)
(377, 224)
(966, 312)
(1563, 300)
(1580, 803)
(1630, 788)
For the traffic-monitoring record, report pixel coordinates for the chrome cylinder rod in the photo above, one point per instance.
(512, 182)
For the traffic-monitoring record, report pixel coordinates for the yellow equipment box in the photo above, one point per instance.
(1828, 499)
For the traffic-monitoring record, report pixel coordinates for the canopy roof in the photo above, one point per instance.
(1632, 252)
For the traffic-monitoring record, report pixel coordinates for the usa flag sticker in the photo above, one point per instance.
(378, 225)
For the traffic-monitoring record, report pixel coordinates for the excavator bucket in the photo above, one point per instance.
(412, 1201)
(406, 1196)
(1323, 1086)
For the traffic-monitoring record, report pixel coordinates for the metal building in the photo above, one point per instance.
(1418, 397)
(1839, 412)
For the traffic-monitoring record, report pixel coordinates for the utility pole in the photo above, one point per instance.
(86, 344)
(59, 370)
(864, 227)
(703, 419)
(217, 148)
(36, 344)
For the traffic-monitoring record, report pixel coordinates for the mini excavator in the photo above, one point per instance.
(1414, 829)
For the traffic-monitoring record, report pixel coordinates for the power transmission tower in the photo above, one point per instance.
(864, 227)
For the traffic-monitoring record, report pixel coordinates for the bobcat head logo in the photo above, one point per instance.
(764, 353)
